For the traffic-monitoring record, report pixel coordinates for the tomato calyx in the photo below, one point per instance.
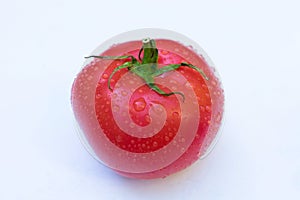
(147, 67)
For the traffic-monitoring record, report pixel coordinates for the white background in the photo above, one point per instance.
(255, 46)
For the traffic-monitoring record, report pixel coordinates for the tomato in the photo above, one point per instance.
(142, 127)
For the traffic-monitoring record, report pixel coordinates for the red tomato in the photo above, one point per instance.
(138, 132)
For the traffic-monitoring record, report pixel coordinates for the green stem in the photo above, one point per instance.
(147, 67)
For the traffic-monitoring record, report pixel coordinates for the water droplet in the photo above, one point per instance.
(195, 102)
(131, 125)
(118, 85)
(118, 64)
(158, 109)
(174, 88)
(155, 144)
(148, 118)
(187, 85)
(218, 118)
(105, 75)
(124, 93)
(207, 108)
(182, 149)
(119, 138)
(139, 104)
(116, 108)
(167, 138)
(175, 114)
(164, 52)
(114, 95)
(131, 82)
(173, 81)
(98, 96)
(141, 91)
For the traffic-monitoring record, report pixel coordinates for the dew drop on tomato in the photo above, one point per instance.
(139, 104)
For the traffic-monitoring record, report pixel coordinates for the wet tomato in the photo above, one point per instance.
(148, 109)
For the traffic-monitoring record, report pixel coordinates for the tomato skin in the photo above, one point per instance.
(95, 110)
